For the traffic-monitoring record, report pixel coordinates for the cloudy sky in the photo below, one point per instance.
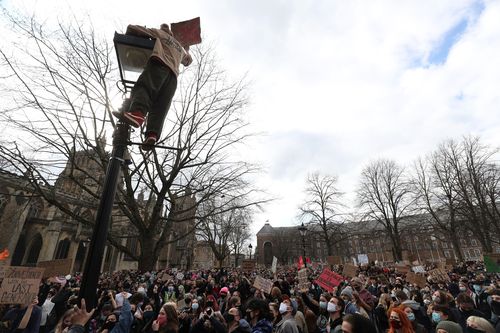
(337, 84)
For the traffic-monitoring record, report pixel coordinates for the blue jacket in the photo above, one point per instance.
(125, 321)
(263, 326)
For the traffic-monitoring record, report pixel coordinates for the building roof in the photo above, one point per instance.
(266, 230)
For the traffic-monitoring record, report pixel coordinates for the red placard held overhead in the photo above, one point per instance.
(187, 32)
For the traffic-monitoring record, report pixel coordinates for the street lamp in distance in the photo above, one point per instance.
(250, 249)
(303, 232)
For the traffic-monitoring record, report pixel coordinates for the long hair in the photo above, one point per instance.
(406, 326)
(60, 324)
(360, 324)
(172, 324)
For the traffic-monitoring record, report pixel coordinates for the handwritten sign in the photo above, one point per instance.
(334, 260)
(363, 259)
(20, 284)
(402, 268)
(248, 265)
(416, 279)
(57, 267)
(328, 280)
(492, 262)
(303, 280)
(439, 274)
(179, 276)
(263, 284)
(274, 265)
(418, 269)
(350, 270)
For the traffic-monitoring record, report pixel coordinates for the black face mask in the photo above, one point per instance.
(229, 318)
(473, 330)
(210, 304)
(108, 326)
(148, 315)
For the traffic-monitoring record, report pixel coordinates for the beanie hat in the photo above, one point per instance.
(347, 291)
(224, 290)
(449, 326)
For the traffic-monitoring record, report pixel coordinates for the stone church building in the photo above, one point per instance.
(33, 230)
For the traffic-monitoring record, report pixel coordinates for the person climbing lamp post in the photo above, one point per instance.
(303, 232)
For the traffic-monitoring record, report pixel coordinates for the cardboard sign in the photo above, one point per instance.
(416, 279)
(418, 269)
(263, 284)
(179, 276)
(334, 260)
(363, 259)
(439, 274)
(20, 285)
(303, 280)
(492, 262)
(328, 280)
(187, 32)
(248, 265)
(57, 267)
(274, 265)
(350, 270)
(402, 268)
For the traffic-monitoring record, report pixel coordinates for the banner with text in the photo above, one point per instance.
(20, 285)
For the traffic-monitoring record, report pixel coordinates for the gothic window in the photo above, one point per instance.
(4, 200)
(132, 247)
(35, 209)
(62, 249)
(34, 252)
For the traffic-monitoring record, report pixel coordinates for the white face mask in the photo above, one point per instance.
(283, 308)
(332, 307)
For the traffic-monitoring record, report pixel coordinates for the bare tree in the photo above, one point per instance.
(239, 238)
(476, 184)
(384, 195)
(435, 195)
(322, 207)
(224, 231)
(61, 84)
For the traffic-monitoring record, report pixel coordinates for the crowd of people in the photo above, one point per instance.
(378, 299)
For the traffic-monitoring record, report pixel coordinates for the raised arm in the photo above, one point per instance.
(140, 31)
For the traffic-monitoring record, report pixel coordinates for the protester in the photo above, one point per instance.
(259, 315)
(479, 324)
(399, 322)
(235, 323)
(287, 323)
(356, 323)
(448, 327)
(417, 327)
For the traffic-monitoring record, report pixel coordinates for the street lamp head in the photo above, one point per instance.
(303, 230)
(250, 247)
(133, 53)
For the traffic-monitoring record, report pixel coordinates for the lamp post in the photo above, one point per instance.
(133, 53)
(250, 249)
(303, 232)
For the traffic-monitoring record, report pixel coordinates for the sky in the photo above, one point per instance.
(337, 84)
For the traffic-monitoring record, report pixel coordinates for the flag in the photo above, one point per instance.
(492, 263)
(300, 263)
(4, 254)
(308, 260)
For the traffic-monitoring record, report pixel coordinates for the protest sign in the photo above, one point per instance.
(438, 275)
(274, 265)
(492, 262)
(416, 279)
(263, 284)
(20, 285)
(303, 280)
(187, 32)
(328, 280)
(248, 265)
(402, 268)
(174, 271)
(179, 276)
(363, 259)
(57, 267)
(350, 270)
(418, 269)
(2, 270)
(334, 260)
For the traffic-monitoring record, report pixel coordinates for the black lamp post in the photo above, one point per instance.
(250, 248)
(303, 232)
(132, 52)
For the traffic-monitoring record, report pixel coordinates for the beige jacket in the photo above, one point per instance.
(167, 49)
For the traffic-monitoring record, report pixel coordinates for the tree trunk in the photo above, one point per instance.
(148, 256)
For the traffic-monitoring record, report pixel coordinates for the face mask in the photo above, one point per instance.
(162, 320)
(141, 290)
(229, 318)
(436, 299)
(147, 315)
(395, 323)
(462, 289)
(332, 307)
(170, 289)
(427, 302)
(283, 308)
(477, 288)
(474, 330)
(210, 304)
(108, 326)
(411, 316)
(195, 306)
(436, 317)
(322, 305)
